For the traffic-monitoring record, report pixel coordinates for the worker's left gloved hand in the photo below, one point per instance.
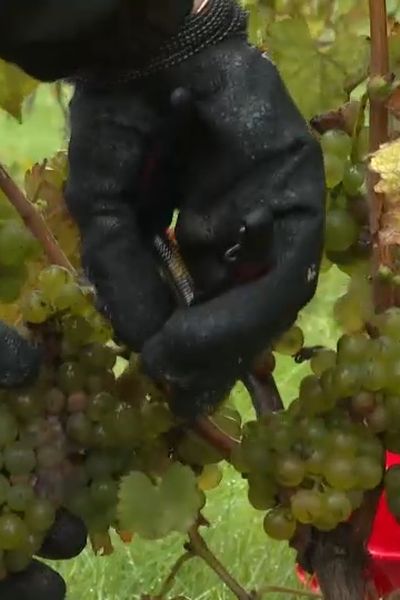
(253, 209)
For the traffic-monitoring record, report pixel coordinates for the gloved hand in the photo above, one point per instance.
(66, 34)
(19, 363)
(243, 168)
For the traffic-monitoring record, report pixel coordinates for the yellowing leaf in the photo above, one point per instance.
(316, 77)
(386, 162)
(15, 86)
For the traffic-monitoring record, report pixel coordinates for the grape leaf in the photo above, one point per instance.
(324, 72)
(155, 510)
(15, 86)
(385, 162)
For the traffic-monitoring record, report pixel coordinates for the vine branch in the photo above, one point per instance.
(33, 220)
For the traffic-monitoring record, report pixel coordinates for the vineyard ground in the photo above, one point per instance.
(236, 535)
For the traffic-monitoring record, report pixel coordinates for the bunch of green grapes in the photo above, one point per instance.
(67, 439)
(17, 245)
(313, 463)
(347, 240)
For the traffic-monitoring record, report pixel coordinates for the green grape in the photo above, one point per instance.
(369, 472)
(79, 428)
(353, 179)
(312, 397)
(104, 491)
(77, 402)
(341, 230)
(326, 522)
(369, 445)
(347, 379)
(4, 486)
(54, 401)
(16, 243)
(98, 357)
(315, 462)
(336, 142)
(392, 479)
(392, 404)
(52, 280)
(34, 542)
(103, 435)
(312, 431)
(378, 419)
(339, 472)
(17, 561)
(12, 279)
(306, 506)
(289, 470)
(356, 498)
(210, 478)
(279, 524)
(81, 503)
(385, 349)
(375, 375)
(322, 360)
(363, 144)
(363, 403)
(389, 323)
(262, 492)
(99, 464)
(19, 458)
(392, 441)
(100, 405)
(346, 312)
(26, 405)
(393, 377)
(70, 377)
(157, 419)
(8, 427)
(19, 496)
(76, 329)
(40, 515)
(353, 348)
(336, 505)
(328, 388)
(13, 532)
(35, 308)
(70, 297)
(291, 342)
(334, 170)
(342, 443)
(196, 451)
(255, 454)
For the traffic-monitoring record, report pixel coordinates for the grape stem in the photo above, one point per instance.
(215, 436)
(33, 220)
(264, 394)
(170, 580)
(199, 548)
(382, 251)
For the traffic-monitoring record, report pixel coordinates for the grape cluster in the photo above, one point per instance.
(313, 463)
(347, 238)
(67, 439)
(17, 245)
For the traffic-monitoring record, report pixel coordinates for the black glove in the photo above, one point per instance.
(50, 39)
(243, 170)
(19, 363)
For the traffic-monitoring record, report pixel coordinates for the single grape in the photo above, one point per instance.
(353, 348)
(81, 503)
(13, 532)
(389, 323)
(79, 428)
(291, 342)
(104, 491)
(347, 379)
(337, 505)
(342, 443)
(40, 515)
(52, 280)
(70, 377)
(289, 470)
(77, 402)
(334, 170)
(19, 496)
(16, 243)
(279, 524)
(322, 360)
(339, 472)
(346, 312)
(70, 297)
(98, 357)
(17, 561)
(35, 308)
(375, 375)
(369, 445)
(356, 498)
(312, 397)
(54, 401)
(369, 472)
(353, 178)
(4, 486)
(337, 142)
(100, 405)
(210, 478)
(306, 506)
(50, 456)
(26, 405)
(378, 419)
(315, 462)
(363, 403)
(341, 230)
(363, 144)
(391, 441)
(76, 329)
(19, 458)
(99, 464)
